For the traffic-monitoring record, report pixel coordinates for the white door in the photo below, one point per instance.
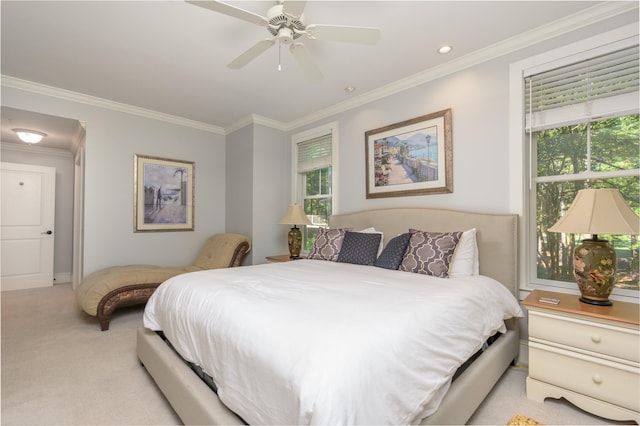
(27, 219)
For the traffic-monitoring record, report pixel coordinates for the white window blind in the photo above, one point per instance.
(314, 153)
(603, 86)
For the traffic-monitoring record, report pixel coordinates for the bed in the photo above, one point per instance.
(196, 403)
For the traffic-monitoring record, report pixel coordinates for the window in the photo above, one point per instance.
(315, 162)
(582, 126)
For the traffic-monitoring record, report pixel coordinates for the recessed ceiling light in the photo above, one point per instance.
(29, 136)
(349, 89)
(445, 49)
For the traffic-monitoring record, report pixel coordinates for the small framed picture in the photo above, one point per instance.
(163, 194)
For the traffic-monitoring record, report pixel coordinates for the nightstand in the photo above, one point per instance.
(589, 355)
(281, 258)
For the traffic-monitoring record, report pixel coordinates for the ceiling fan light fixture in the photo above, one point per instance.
(285, 36)
(286, 23)
(29, 136)
(445, 49)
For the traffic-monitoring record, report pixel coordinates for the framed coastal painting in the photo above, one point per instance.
(163, 194)
(413, 157)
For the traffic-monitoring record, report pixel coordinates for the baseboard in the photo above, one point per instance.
(61, 278)
(523, 355)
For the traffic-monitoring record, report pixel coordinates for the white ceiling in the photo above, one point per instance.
(171, 56)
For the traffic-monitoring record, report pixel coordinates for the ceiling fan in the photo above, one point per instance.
(286, 23)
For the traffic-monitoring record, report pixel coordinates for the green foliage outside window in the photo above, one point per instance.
(609, 146)
(317, 202)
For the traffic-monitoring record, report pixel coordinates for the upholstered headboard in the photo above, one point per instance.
(496, 233)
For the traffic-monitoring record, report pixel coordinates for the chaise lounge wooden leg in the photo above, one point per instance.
(104, 324)
(125, 296)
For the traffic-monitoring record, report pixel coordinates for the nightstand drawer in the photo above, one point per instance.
(606, 381)
(617, 342)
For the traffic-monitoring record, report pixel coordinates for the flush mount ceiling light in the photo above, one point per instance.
(29, 136)
(445, 49)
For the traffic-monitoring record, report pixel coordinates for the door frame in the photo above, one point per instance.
(78, 212)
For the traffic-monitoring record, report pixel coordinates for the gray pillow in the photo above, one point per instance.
(430, 253)
(392, 255)
(359, 248)
(327, 244)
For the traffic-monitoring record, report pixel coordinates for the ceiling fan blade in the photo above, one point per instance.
(227, 9)
(306, 62)
(294, 7)
(251, 53)
(362, 35)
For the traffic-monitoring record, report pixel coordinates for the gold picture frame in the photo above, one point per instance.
(413, 157)
(163, 194)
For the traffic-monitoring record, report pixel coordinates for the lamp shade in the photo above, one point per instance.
(295, 215)
(598, 211)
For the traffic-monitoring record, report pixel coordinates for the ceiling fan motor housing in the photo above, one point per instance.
(285, 27)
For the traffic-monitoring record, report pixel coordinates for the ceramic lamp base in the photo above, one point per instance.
(295, 242)
(594, 267)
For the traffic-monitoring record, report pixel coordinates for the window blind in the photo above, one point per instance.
(603, 86)
(314, 153)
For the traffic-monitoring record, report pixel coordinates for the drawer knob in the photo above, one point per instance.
(597, 379)
(595, 338)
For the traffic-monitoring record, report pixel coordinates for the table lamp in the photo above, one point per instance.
(597, 211)
(295, 215)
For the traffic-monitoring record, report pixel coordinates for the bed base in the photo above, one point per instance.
(196, 404)
(193, 401)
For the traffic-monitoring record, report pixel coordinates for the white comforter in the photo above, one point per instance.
(316, 342)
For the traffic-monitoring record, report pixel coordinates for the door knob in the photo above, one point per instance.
(49, 232)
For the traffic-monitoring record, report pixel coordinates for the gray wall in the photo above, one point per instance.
(259, 188)
(272, 191)
(479, 99)
(239, 184)
(112, 139)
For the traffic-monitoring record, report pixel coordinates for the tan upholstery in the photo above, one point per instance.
(101, 292)
(219, 251)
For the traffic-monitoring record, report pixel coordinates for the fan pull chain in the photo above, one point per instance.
(279, 56)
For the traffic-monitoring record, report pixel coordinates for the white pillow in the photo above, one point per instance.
(373, 231)
(465, 260)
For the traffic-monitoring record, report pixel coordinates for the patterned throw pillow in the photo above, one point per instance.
(392, 255)
(465, 260)
(327, 244)
(429, 253)
(359, 248)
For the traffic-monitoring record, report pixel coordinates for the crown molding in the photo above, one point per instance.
(256, 119)
(265, 121)
(553, 29)
(597, 13)
(55, 92)
(35, 149)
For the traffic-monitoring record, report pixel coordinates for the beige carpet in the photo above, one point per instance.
(59, 368)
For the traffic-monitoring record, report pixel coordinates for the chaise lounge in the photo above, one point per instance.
(103, 291)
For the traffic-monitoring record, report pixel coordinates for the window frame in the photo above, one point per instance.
(297, 178)
(521, 155)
